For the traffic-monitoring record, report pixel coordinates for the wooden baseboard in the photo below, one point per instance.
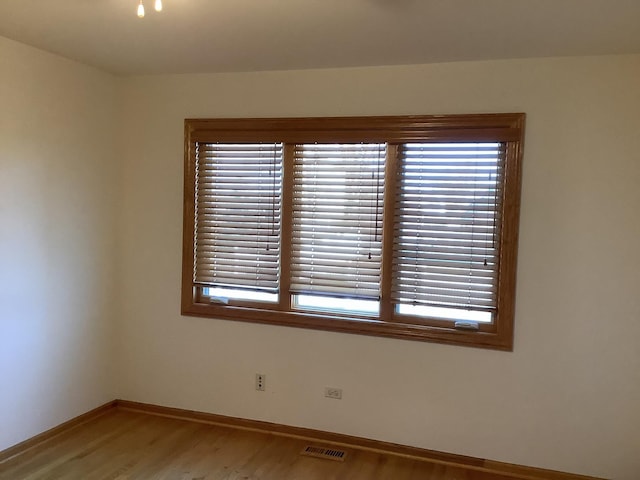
(480, 464)
(489, 466)
(32, 442)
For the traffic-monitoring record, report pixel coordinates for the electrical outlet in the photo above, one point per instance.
(331, 392)
(261, 380)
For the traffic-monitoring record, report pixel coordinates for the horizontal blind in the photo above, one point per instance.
(337, 220)
(237, 228)
(447, 221)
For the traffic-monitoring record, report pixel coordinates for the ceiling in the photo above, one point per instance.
(192, 36)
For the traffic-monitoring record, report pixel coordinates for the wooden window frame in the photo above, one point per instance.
(507, 128)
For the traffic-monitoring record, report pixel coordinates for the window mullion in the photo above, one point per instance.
(286, 227)
(390, 181)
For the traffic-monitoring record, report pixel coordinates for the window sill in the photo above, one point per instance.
(488, 338)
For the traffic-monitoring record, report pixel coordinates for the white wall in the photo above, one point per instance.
(567, 398)
(58, 182)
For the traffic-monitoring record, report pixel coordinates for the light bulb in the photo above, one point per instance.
(158, 5)
(140, 10)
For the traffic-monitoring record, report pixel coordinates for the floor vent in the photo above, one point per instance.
(328, 453)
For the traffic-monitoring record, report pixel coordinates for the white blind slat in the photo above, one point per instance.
(447, 220)
(238, 206)
(337, 219)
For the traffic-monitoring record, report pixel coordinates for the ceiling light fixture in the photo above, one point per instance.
(157, 6)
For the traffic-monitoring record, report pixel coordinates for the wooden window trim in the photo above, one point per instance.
(502, 127)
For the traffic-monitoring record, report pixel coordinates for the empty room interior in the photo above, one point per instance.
(129, 303)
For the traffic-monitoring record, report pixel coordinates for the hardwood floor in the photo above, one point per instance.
(123, 445)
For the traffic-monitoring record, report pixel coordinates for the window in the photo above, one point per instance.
(403, 227)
